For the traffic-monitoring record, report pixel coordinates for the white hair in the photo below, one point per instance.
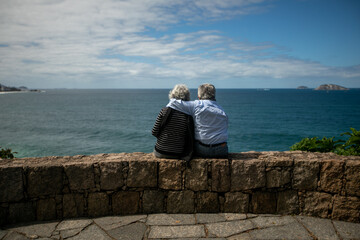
(206, 92)
(180, 91)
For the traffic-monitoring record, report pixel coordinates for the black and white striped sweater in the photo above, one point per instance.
(174, 131)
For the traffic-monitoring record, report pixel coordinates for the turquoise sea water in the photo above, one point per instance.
(71, 122)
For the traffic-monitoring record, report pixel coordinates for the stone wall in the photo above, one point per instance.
(321, 185)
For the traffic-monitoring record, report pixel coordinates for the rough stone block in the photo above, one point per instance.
(197, 175)
(22, 212)
(247, 174)
(3, 216)
(305, 174)
(46, 209)
(153, 201)
(111, 175)
(236, 202)
(180, 202)
(142, 174)
(44, 180)
(11, 184)
(352, 170)
(331, 174)
(317, 204)
(98, 204)
(278, 177)
(170, 174)
(280, 161)
(288, 202)
(346, 209)
(220, 171)
(125, 203)
(263, 202)
(73, 205)
(81, 176)
(207, 202)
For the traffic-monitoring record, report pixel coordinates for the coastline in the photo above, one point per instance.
(10, 92)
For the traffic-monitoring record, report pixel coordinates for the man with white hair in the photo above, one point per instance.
(210, 120)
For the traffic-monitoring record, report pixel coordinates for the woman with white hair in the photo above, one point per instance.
(174, 130)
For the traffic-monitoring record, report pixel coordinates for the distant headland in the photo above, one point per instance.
(326, 87)
(329, 87)
(4, 88)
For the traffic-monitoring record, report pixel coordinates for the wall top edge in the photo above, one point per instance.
(273, 156)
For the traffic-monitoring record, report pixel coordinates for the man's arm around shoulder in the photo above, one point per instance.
(186, 107)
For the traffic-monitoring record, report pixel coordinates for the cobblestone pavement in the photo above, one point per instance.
(186, 226)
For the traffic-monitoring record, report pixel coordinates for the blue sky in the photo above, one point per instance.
(159, 43)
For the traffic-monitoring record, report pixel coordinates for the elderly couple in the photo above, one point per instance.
(185, 127)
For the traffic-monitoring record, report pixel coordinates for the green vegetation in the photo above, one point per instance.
(7, 153)
(341, 147)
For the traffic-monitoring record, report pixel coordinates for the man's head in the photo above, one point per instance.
(180, 91)
(206, 92)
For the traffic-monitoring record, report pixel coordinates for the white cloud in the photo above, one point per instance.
(89, 40)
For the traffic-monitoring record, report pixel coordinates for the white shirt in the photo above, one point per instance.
(210, 120)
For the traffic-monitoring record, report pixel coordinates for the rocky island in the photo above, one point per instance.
(302, 87)
(330, 87)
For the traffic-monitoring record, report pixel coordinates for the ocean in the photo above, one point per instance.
(67, 122)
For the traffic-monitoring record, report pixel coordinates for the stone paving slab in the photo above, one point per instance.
(73, 223)
(91, 232)
(170, 219)
(347, 230)
(289, 231)
(112, 222)
(322, 228)
(227, 229)
(134, 231)
(2, 234)
(187, 231)
(225, 226)
(234, 216)
(207, 238)
(209, 218)
(69, 232)
(218, 217)
(272, 221)
(241, 236)
(35, 231)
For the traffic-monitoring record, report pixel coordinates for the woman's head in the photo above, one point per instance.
(181, 92)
